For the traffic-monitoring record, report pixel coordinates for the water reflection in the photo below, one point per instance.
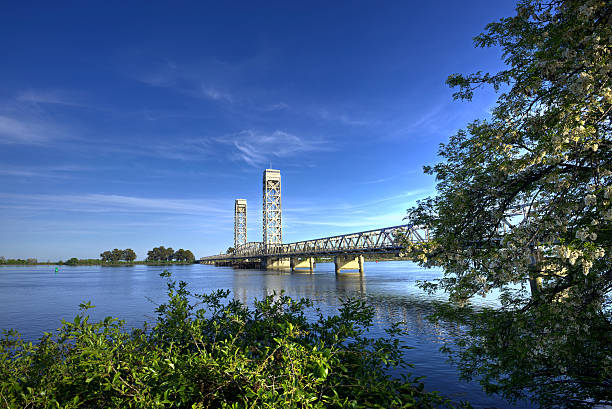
(350, 284)
(390, 288)
(33, 299)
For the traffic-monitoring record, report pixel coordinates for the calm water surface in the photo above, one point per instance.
(34, 299)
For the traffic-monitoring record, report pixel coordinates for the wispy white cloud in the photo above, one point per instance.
(391, 177)
(249, 146)
(330, 219)
(362, 223)
(358, 208)
(379, 180)
(257, 149)
(49, 172)
(217, 95)
(340, 117)
(187, 149)
(17, 131)
(183, 149)
(204, 81)
(219, 81)
(48, 97)
(108, 203)
(278, 106)
(443, 118)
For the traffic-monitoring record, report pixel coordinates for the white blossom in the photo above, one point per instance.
(590, 200)
(586, 266)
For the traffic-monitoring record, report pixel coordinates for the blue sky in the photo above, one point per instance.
(137, 125)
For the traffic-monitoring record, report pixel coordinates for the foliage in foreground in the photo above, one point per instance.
(207, 351)
(546, 154)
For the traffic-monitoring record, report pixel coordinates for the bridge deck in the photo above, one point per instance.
(385, 240)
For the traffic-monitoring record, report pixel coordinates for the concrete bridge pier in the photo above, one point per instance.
(306, 263)
(275, 263)
(349, 263)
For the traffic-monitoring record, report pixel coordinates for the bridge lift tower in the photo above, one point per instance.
(272, 214)
(240, 222)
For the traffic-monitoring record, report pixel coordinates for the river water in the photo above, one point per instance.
(34, 299)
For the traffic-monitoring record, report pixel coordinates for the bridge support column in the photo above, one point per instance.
(275, 263)
(349, 263)
(307, 263)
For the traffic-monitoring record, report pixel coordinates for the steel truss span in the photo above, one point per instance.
(240, 222)
(385, 240)
(272, 210)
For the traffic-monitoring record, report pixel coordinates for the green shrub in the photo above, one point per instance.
(207, 351)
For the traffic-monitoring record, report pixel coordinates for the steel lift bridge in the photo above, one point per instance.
(347, 250)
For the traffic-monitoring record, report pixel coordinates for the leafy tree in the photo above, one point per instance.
(156, 254)
(116, 255)
(2, 260)
(179, 255)
(188, 256)
(72, 262)
(161, 254)
(128, 255)
(545, 152)
(152, 254)
(230, 250)
(106, 256)
(168, 254)
(184, 256)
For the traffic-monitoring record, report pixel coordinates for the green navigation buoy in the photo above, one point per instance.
(56, 270)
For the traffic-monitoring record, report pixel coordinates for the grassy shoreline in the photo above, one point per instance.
(98, 263)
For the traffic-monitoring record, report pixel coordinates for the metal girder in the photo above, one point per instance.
(272, 213)
(240, 222)
(385, 240)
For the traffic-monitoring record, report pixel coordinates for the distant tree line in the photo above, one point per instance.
(168, 254)
(82, 262)
(3, 260)
(117, 255)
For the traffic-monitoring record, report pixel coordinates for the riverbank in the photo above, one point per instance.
(255, 357)
(93, 262)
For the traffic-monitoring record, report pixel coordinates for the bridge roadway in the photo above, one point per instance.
(347, 249)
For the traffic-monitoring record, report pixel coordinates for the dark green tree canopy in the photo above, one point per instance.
(129, 255)
(117, 255)
(545, 155)
(168, 254)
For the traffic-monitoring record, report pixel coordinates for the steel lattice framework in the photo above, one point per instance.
(272, 213)
(240, 222)
(385, 240)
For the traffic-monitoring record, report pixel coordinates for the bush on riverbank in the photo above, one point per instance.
(207, 351)
(81, 262)
(18, 261)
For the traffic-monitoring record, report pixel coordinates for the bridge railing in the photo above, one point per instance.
(388, 239)
(249, 249)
